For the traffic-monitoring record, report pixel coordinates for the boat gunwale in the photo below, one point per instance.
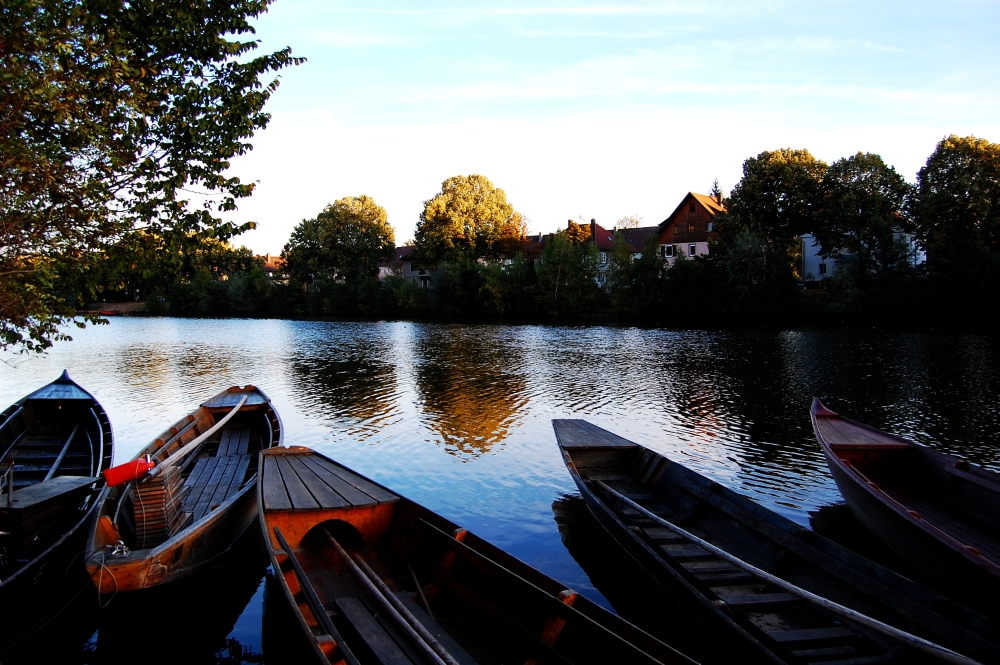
(884, 498)
(506, 563)
(887, 590)
(195, 529)
(705, 603)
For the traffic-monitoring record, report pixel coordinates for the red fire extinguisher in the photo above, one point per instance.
(129, 471)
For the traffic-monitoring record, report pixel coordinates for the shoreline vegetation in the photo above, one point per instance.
(477, 264)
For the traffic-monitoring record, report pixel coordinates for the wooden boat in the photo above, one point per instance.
(54, 444)
(375, 578)
(196, 501)
(763, 588)
(939, 512)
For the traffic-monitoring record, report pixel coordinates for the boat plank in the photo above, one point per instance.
(222, 489)
(353, 488)
(199, 468)
(809, 634)
(198, 487)
(299, 494)
(201, 507)
(323, 493)
(241, 471)
(273, 490)
(224, 438)
(244, 446)
(576, 433)
(383, 646)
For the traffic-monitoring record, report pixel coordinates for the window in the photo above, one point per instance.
(691, 207)
(692, 250)
(691, 227)
(604, 257)
(822, 268)
(677, 230)
(709, 228)
(667, 251)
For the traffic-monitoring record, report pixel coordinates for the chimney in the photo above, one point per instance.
(569, 223)
(593, 230)
(718, 198)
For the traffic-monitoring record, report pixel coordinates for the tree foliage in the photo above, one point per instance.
(347, 240)
(568, 276)
(469, 215)
(112, 113)
(778, 197)
(957, 207)
(862, 215)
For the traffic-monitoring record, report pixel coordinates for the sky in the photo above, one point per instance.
(600, 110)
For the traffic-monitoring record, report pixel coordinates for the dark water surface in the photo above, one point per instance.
(457, 418)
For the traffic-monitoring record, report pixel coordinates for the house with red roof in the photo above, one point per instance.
(402, 264)
(690, 227)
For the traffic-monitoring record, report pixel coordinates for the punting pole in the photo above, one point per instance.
(384, 596)
(192, 445)
(312, 599)
(918, 643)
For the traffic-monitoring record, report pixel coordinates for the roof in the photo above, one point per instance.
(399, 255)
(602, 237)
(708, 202)
(637, 237)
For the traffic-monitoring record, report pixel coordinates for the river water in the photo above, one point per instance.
(457, 417)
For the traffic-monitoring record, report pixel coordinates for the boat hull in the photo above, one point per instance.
(213, 446)
(952, 569)
(50, 578)
(608, 470)
(43, 587)
(716, 637)
(179, 558)
(499, 607)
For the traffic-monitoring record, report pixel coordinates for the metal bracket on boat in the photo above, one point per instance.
(119, 549)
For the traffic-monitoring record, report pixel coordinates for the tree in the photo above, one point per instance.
(112, 113)
(630, 221)
(469, 215)
(778, 197)
(567, 278)
(344, 242)
(862, 215)
(956, 208)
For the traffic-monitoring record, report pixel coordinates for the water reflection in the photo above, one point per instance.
(633, 593)
(459, 417)
(470, 386)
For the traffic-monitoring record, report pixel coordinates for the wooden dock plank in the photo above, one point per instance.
(273, 490)
(297, 491)
(325, 496)
(324, 469)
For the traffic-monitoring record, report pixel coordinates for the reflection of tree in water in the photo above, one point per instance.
(235, 653)
(470, 386)
(356, 388)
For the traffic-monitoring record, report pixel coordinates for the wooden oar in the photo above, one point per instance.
(194, 443)
(918, 643)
